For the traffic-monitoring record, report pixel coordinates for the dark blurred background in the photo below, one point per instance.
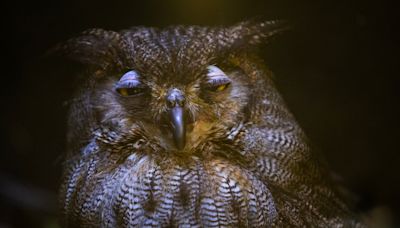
(337, 70)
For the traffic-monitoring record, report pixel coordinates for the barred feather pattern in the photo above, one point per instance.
(248, 163)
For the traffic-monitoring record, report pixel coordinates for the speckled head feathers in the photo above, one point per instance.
(142, 44)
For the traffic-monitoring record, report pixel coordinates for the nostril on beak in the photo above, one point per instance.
(175, 98)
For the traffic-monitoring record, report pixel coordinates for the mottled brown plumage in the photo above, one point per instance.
(183, 127)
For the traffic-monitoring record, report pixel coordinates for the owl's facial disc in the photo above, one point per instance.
(176, 102)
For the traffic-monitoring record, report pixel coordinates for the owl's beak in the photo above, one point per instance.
(178, 126)
(176, 101)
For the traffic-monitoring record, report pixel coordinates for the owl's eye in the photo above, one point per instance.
(217, 80)
(129, 84)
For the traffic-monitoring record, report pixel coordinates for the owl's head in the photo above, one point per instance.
(182, 126)
(177, 88)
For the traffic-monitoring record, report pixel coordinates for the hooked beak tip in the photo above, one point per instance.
(178, 127)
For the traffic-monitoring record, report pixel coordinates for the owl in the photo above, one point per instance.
(183, 127)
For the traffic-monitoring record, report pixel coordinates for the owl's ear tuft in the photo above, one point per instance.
(93, 47)
(255, 32)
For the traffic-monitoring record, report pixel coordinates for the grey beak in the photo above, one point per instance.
(178, 126)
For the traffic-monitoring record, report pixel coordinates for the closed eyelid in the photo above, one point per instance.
(130, 75)
(130, 85)
(216, 76)
(128, 80)
(215, 72)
